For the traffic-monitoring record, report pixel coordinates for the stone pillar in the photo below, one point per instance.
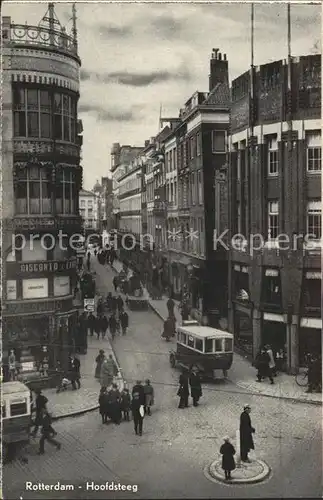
(256, 329)
(293, 346)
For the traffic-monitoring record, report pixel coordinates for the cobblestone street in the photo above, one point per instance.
(168, 461)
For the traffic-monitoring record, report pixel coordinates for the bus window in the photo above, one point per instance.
(228, 345)
(208, 345)
(18, 408)
(199, 345)
(183, 338)
(218, 345)
(190, 341)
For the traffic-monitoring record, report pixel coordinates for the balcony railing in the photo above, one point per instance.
(40, 36)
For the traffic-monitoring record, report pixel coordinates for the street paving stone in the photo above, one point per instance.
(169, 459)
(242, 374)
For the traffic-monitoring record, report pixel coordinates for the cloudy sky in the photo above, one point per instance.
(138, 56)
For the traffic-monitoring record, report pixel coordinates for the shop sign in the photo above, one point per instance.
(61, 286)
(89, 305)
(313, 275)
(40, 223)
(34, 268)
(11, 290)
(35, 288)
(271, 272)
(29, 307)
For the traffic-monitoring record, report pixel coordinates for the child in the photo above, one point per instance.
(149, 397)
(227, 451)
(125, 404)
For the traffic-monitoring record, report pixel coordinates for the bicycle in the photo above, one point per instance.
(301, 378)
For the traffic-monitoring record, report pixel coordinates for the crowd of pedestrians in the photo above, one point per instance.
(116, 406)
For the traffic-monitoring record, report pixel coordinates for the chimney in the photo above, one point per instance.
(219, 70)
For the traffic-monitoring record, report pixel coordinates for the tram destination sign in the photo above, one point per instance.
(23, 269)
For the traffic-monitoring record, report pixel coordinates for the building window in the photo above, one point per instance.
(82, 203)
(33, 191)
(175, 192)
(199, 188)
(198, 144)
(239, 227)
(192, 147)
(219, 141)
(314, 219)
(65, 192)
(272, 157)
(193, 197)
(313, 152)
(33, 114)
(273, 222)
(64, 117)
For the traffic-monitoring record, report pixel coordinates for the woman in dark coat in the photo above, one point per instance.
(103, 404)
(104, 326)
(246, 431)
(183, 391)
(195, 383)
(114, 400)
(99, 360)
(227, 451)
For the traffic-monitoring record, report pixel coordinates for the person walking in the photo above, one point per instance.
(12, 365)
(76, 373)
(99, 360)
(262, 364)
(114, 402)
(246, 431)
(109, 301)
(170, 307)
(114, 305)
(113, 325)
(47, 433)
(228, 463)
(109, 370)
(195, 383)
(97, 326)
(115, 282)
(149, 397)
(40, 406)
(272, 364)
(104, 324)
(103, 405)
(88, 261)
(100, 309)
(125, 404)
(91, 323)
(183, 391)
(120, 304)
(137, 406)
(124, 321)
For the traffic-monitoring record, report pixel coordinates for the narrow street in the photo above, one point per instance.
(168, 460)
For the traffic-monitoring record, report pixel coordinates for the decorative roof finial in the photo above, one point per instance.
(74, 30)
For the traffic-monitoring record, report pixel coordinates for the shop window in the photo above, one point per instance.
(312, 291)
(241, 283)
(33, 191)
(199, 345)
(208, 345)
(272, 288)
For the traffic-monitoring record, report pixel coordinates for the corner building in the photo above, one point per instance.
(275, 189)
(41, 176)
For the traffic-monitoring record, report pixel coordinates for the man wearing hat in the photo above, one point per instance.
(195, 383)
(246, 431)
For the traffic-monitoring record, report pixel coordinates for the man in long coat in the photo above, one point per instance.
(183, 391)
(195, 383)
(246, 431)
